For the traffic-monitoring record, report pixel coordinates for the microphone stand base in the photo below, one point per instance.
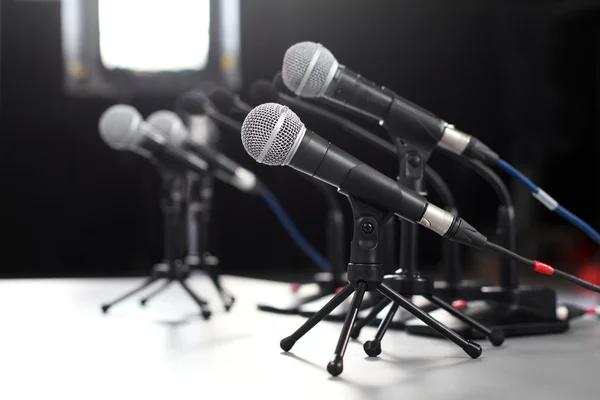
(465, 290)
(171, 273)
(209, 264)
(362, 279)
(415, 285)
(369, 276)
(525, 311)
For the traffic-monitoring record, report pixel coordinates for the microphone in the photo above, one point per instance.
(225, 169)
(310, 70)
(227, 101)
(123, 128)
(266, 92)
(274, 135)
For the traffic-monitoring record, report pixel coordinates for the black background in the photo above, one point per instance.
(520, 75)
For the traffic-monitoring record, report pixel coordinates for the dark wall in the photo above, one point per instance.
(497, 69)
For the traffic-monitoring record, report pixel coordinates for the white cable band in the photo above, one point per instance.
(546, 199)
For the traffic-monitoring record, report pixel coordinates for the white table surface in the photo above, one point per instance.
(56, 343)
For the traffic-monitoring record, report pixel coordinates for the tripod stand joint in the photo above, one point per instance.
(370, 274)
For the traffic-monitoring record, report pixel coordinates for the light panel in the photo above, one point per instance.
(154, 35)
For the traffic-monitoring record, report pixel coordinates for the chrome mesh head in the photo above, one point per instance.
(120, 127)
(170, 126)
(308, 69)
(271, 133)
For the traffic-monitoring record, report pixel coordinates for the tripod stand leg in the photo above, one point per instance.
(471, 348)
(336, 365)
(495, 336)
(155, 292)
(201, 303)
(287, 343)
(227, 299)
(373, 347)
(147, 283)
(370, 317)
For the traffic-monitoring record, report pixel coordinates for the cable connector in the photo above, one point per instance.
(462, 232)
(476, 150)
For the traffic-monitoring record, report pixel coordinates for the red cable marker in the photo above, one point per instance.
(459, 304)
(542, 268)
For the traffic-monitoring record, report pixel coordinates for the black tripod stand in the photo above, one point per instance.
(365, 274)
(199, 207)
(172, 269)
(407, 280)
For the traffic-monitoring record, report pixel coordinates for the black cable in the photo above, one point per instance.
(577, 281)
(542, 268)
(487, 174)
(507, 253)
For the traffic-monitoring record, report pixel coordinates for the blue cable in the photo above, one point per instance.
(578, 222)
(294, 232)
(549, 202)
(519, 175)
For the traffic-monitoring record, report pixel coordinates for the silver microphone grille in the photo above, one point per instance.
(308, 69)
(170, 126)
(271, 134)
(119, 127)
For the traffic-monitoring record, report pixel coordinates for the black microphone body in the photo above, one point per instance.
(320, 159)
(227, 170)
(222, 167)
(272, 134)
(160, 152)
(311, 70)
(395, 114)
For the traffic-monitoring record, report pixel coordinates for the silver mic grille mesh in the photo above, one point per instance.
(119, 127)
(267, 139)
(307, 69)
(170, 126)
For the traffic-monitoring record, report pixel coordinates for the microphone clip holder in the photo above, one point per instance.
(172, 269)
(366, 274)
